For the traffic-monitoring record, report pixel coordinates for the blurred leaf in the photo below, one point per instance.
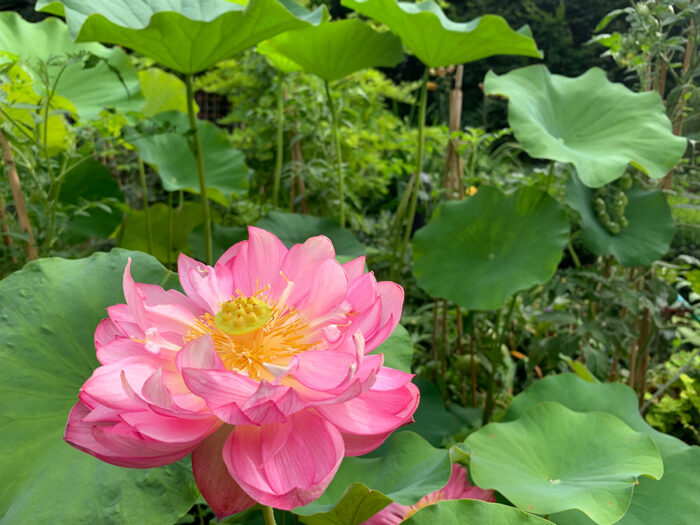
(334, 50)
(187, 37)
(397, 350)
(170, 154)
(438, 41)
(163, 92)
(479, 251)
(598, 126)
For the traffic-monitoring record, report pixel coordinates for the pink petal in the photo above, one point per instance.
(118, 444)
(201, 284)
(285, 473)
(218, 488)
(199, 353)
(301, 261)
(119, 348)
(354, 269)
(324, 292)
(392, 302)
(170, 429)
(106, 332)
(257, 264)
(374, 412)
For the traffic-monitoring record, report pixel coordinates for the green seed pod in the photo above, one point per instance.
(613, 227)
(625, 182)
(623, 222)
(599, 205)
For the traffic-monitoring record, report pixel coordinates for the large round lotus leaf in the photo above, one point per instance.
(397, 350)
(112, 81)
(598, 126)
(185, 36)
(48, 314)
(335, 49)
(583, 396)
(295, 228)
(553, 459)
(472, 512)
(672, 499)
(170, 154)
(438, 41)
(646, 238)
(478, 251)
(362, 487)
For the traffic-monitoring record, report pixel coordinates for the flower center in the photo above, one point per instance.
(242, 315)
(252, 333)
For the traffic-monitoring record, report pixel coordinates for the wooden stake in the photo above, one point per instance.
(18, 196)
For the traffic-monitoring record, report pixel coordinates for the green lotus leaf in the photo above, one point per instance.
(335, 49)
(187, 37)
(91, 181)
(112, 81)
(582, 396)
(672, 499)
(478, 251)
(397, 350)
(223, 237)
(295, 228)
(646, 238)
(277, 59)
(553, 459)
(48, 314)
(597, 125)
(184, 219)
(438, 41)
(362, 487)
(472, 512)
(163, 92)
(170, 154)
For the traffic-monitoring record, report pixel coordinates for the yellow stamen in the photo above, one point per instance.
(250, 332)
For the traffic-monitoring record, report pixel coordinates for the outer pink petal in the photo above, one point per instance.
(119, 348)
(289, 472)
(324, 292)
(219, 489)
(118, 444)
(257, 263)
(354, 269)
(392, 302)
(458, 487)
(373, 413)
(168, 429)
(300, 263)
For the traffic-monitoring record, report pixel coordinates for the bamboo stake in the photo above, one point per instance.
(453, 161)
(18, 196)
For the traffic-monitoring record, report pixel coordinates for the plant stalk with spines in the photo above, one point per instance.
(280, 141)
(146, 209)
(419, 166)
(338, 154)
(197, 150)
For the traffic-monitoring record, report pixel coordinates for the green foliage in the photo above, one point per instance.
(47, 347)
(598, 126)
(438, 41)
(472, 512)
(207, 32)
(505, 244)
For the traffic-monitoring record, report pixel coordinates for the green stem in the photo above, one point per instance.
(280, 141)
(269, 515)
(550, 176)
(419, 167)
(144, 191)
(338, 154)
(197, 143)
(170, 229)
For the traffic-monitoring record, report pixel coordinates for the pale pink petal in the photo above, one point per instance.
(201, 284)
(301, 261)
(374, 412)
(199, 353)
(168, 429)
(289, 474)
(173, 400)
(121, 316)
(324, 370)
(118, 444)
(323, 292)
(106, 332)
(221, 492)
(392, 296)
(119, 348)
(354, 269)
(257, 264)
(134, 299)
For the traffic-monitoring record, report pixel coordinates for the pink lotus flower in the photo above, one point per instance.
(457, 488)
(261, 372)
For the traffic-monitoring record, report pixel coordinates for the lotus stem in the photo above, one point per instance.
(146, 209)
(269, 515)
(419, 167)
(280, 141)
(197, 149)
(338, 154)
(18, 196)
